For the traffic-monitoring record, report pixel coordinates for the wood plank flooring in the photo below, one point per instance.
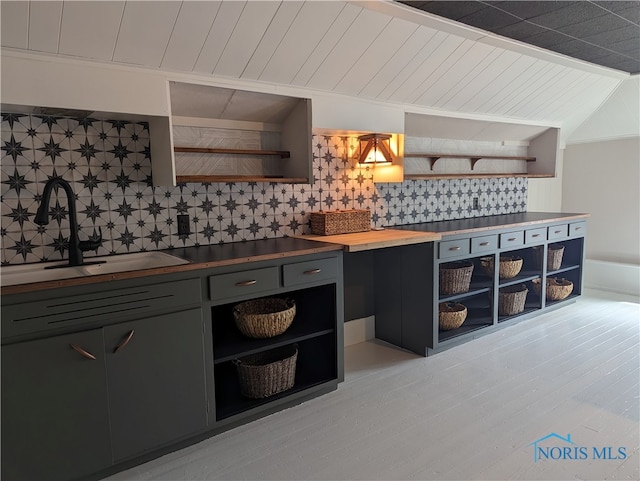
(471, 412)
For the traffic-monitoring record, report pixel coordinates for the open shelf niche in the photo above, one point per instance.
(229, 135)
(444, 147)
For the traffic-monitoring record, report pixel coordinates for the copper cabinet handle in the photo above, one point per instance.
(456, 248)
(312, 271)
(484, 243)
(124, 342)
(246, 283)
(82, 352)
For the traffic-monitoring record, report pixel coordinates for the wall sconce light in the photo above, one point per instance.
(376, 150)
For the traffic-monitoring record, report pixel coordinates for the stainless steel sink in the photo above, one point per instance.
(28, 273)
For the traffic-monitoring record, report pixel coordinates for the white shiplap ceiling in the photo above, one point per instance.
(381, 51)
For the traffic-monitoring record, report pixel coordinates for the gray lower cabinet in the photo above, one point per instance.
(128, 379)
(87, 400)
(55, 418)
(156, 381)
(97, 378)
(410, 280)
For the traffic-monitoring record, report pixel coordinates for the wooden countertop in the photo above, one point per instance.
(481, 224)
(375, 239)
(203, 257)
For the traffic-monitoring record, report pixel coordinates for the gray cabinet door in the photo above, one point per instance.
(156, 381)
(55, 422)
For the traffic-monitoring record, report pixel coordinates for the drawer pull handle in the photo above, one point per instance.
(577, 228)
(557, 231)
(246, 283)
(456, 248)
(535, 235)
(124, 342)
(82, 352)
(312, 271)
(511, 239)
(484, 243)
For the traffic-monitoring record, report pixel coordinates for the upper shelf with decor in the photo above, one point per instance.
(228, 135)
(445, 147)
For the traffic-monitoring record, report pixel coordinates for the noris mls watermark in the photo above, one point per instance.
(554, 447)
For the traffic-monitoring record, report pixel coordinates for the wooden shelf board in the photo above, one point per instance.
(433, 158)
(485, 175)
(285, 154)
(470, 156)
(181, 179)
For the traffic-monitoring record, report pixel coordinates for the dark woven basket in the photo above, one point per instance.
(554, 256)
(267, 373)
(262, 318)
(511, 300)
(455, 277)
(451, 315)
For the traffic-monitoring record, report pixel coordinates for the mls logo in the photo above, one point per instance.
(555, 447)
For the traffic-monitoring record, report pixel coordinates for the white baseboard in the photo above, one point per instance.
(359, 330)
(612, 276)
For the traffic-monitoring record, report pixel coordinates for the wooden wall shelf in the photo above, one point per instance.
(182, 179)
(474, 176)
(284, 154)
(433, 158)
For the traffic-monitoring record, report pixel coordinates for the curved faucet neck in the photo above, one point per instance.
(42, 216)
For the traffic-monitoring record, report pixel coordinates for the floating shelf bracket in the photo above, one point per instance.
(433, 158)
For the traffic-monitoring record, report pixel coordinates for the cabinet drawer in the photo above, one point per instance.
(243, 283)
(511, 239)
(484, 243)
(453, 248)
(558, 231)
(98, 307)
(311, 271)
(534, 236)
(577, 229)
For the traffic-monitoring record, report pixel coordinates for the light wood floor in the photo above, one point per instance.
(467, 413)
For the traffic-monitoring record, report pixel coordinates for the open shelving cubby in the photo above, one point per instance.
(474, 148)
(230, 135)
(313, 331)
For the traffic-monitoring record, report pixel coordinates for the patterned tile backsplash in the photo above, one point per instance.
(108, 165)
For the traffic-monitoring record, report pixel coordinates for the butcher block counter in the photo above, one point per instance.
(376, 239)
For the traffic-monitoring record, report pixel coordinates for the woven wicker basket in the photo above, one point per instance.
(511, 300)
(451, 315)
(455, 277)
(262, 318)
(340, 222)
(267, 373)
(554, 256)
(509, 266)
(557, 288)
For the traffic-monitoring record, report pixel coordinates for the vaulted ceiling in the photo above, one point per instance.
(606, 33)
(382, 51)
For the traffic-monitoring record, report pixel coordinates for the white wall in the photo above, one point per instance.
(618, 117)
(545, 195)
(602, 176)
(603, 179)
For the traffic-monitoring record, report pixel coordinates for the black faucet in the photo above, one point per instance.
(76, 246)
